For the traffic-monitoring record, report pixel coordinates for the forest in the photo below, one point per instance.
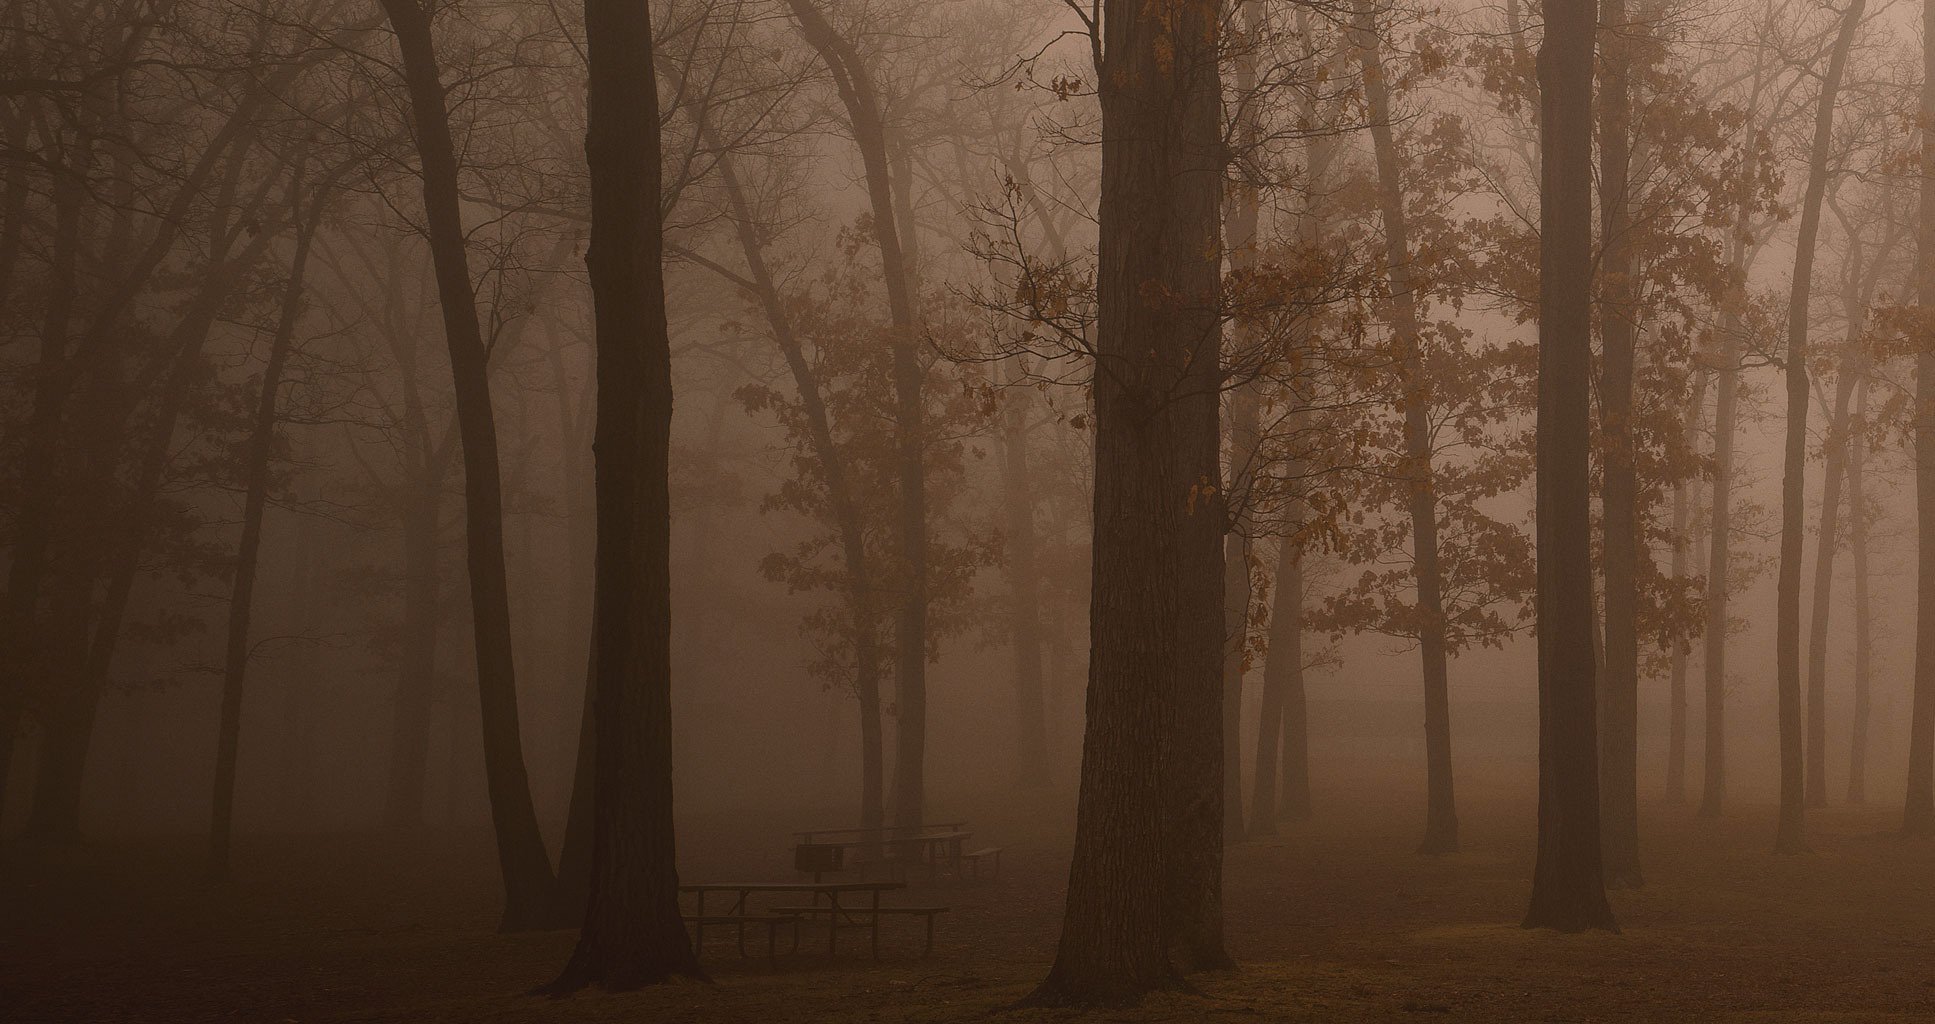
(944, 510)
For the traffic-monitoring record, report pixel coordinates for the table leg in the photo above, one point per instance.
(698, 927)
(876, 924)
(832, 923)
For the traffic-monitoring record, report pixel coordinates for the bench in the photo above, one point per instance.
(772, 922)
(992, 855)
(852, 914)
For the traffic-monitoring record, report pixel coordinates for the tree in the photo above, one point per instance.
(260, 448)
(865, 118)
(1568, 886)
(1156, 620)
(633, 934)
(1789, 836)
(1918, 812)
(522, 859)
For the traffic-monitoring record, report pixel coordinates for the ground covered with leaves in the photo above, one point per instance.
(1333, 920)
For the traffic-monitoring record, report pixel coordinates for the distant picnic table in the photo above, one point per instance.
(937, 845)
(838, 916)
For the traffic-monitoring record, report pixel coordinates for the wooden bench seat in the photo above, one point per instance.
(869, 918)
(991, 854)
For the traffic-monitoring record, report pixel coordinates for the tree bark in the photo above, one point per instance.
(1789, 836)
(1619, 499)
(1863, 623)
(633, 933)
(1568, 885)
(522, 859)
(1283, 794)
(1918, 811)
(1146, 869)
(1441, 812)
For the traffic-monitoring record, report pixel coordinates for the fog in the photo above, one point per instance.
(1219, 501)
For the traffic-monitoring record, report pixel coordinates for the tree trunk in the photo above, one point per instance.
(1684, 498)
(1714, 665)
(1283, 793)
(522, 858)
(1568, 885)
(864, 115)
(633, 934)
(1826, 534)
(1441, 813)
(862, 583)
(1918, 812)
(1147, 862)
(1619, 501)
(1018, 503)
(1789, 834)
(1863, 625)
(242, 594)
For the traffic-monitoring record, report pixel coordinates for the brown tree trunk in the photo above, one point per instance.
(1863, 624)
(1826, 539)
(1146, 870)
(1684, 498)
(1568, 886)
(633, 934)
(1714, 665)
(525, 865)
(1918, 811)
(1441, 812)
(855, 83)
(1018, 504)
(1619, 500)
(1283, 734)
(1789, 834)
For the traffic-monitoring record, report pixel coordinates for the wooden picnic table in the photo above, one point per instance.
(837, 916)
(932, 845)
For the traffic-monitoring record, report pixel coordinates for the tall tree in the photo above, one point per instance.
(866, 119)
(1789, 832)
(1156, 629)
(522, 859)
(1918, 811)
(1619, 497)
(633, 934)
(1441, 811)
(1568, 885)
(255, 502)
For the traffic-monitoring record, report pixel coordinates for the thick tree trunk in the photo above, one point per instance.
(1441, 813)
(1568, 885)
(1619, 500)
(242, 593)
(1918, 812)
(1146, 869)
(1863, 624)
(525, 865)
(633, 934)
(1789, 834)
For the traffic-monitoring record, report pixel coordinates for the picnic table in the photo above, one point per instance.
(821, 850)
(838, 916)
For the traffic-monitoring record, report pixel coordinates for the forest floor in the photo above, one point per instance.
(1335, 920)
